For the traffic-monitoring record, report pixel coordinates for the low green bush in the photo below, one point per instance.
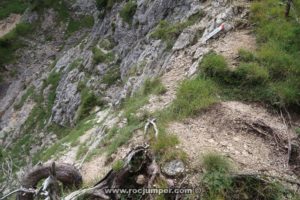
(112, 76)
(60, 7)
(246, 56)
(216, 178)
(77, 24)
(88, 101)
(128, 11)
(11, 42)
(105, 4)
(214, 65)
(252, 74)
(8, 7)
(169, 32)
(153, 86)
(101, 57)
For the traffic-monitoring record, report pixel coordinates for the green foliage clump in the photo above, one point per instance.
(77, 24)
(105, 4)
(128, 11)
(153, 86)
(246, 56)
(297, 130)
(170, 32)
(279, 47)
(12, 42)
(102, 57)
(8, 7)
(252, 73)
(216, 178)
(59, 6)
(192, 96)
(111, 76)
(214, 65)
(88, 101)
(53, 80)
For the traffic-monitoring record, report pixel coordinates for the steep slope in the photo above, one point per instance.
(84, 90)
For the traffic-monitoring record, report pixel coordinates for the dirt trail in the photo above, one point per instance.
(223, 129)
(230, 45)
(6, 25)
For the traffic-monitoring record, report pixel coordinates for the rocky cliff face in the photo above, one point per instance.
(109, 61)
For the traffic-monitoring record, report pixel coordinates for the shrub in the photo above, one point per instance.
(111, 76)
(216, 178)
(153, 87)
(215, 162)
(101, 57)
(164, 143)
(252, 73)
(168, 32)
(214, 65)
(105, 4)
(128, 11)
(75, 25)
(286, 92)
(88, 101)
(11, 42)
(193, 96)
(12, 6)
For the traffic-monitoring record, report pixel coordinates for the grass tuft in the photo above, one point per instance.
(128, 11)
(193, 96)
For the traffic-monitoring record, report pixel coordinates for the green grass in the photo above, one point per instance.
(170, 32)
(193, 96)
(75, 64)
(252, 80)
(77, 24)
(88, 101)
(216, 179)
(112, 76)
(118, 137)
(12, 42)
(70, 138)
(29, 92)
(278, 51)
(297, 129)
(214, 65)
(128, 11)
(102, 57)
(124, 134)
(59, 6)
(52, 80)
(8, 7)
(82, 150)
(153, 86)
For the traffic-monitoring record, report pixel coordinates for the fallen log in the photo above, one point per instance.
(67, 174)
